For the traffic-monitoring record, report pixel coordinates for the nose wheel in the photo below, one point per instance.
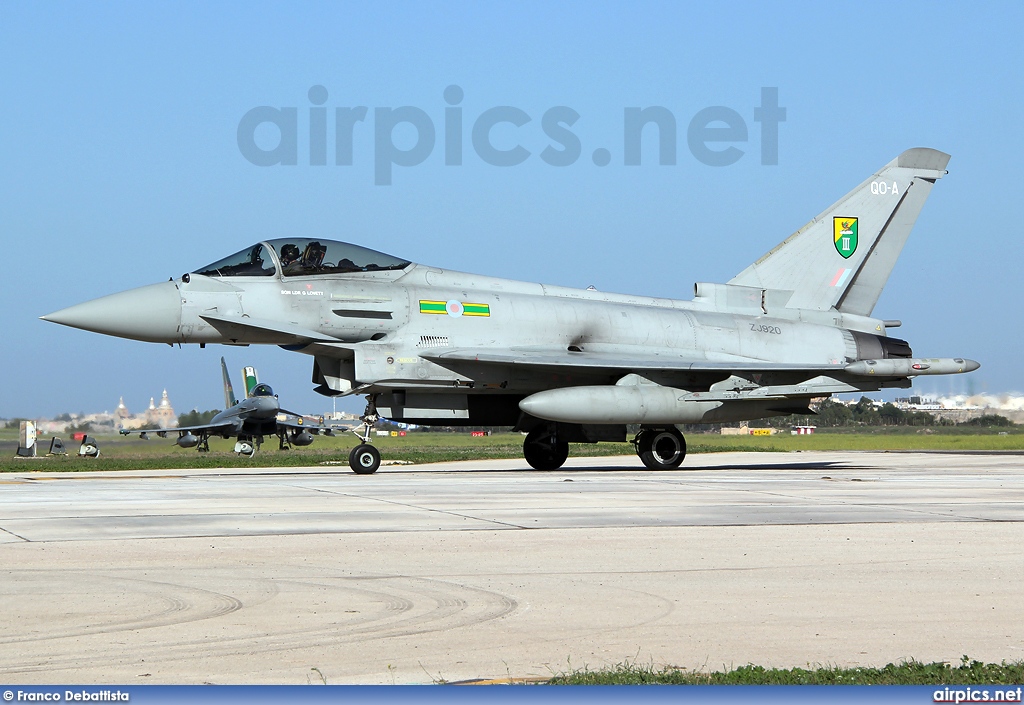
(660, 448)
(364, 459)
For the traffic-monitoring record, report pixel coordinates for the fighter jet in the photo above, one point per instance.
(257, 415)
(426, 345)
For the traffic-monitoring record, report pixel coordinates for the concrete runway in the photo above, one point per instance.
(487, 569)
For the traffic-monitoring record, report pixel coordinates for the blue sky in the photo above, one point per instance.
(120, 164)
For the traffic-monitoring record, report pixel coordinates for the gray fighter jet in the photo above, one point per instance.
(257, 415)
(426, 345)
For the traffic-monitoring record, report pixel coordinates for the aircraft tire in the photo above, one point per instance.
(661, 449)
(364, 459)
(543, 449)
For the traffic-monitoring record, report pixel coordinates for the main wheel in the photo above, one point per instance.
(661, 449)
(364, 459)
(544, 450)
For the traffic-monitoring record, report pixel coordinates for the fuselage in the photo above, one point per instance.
(380, 323)
(400, 310)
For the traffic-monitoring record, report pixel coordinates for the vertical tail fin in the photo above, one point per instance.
(842, 259)
(229, 393)
(249, 375)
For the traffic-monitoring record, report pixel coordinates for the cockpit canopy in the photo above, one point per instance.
(307, 256)
(262, 390)
(253, 261)
(302, 256)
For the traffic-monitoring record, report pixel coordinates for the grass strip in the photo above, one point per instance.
(967, 672)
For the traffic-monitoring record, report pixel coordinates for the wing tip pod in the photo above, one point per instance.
(912, 367)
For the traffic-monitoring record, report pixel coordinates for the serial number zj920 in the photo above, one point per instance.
(761, 328)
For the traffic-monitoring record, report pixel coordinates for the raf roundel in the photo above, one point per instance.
(454, 308)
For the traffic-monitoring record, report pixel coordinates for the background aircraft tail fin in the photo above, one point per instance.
(229, 393)
(842, 259)
(251, 380)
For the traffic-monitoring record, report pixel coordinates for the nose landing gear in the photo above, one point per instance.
(248, 445)
(364, 459)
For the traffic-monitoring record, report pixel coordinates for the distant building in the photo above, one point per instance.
(745, 430)
(161, 416)
(917, 403)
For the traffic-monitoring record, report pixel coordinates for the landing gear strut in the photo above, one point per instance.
(660, 448)
(544, 449)
(364, 459)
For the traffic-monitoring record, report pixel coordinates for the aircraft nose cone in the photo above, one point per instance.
(150, 313)
(264, 407)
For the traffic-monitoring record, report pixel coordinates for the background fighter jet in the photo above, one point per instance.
(249, 420)
(431, 346)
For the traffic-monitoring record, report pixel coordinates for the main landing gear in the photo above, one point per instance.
(544, 449)
(364, 459)
(547, 446)
(660, 448)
